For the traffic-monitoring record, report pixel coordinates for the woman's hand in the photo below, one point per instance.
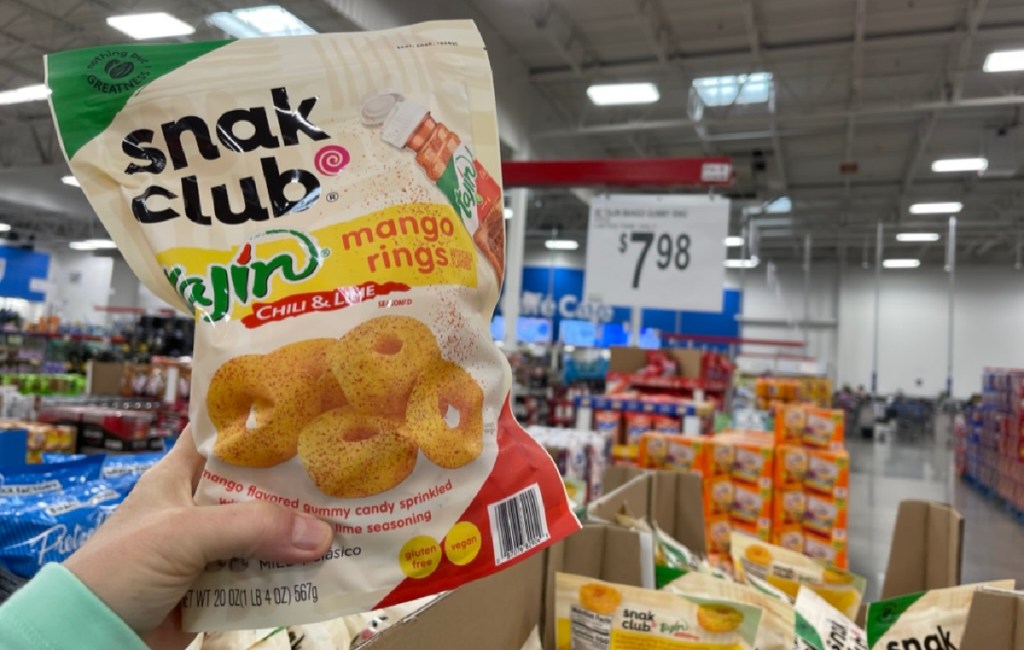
(141, 561)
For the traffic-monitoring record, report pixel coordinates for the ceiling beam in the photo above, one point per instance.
(856, 84)
(656, 27)
(564, 35)
(754, 39)
(863, 113)
(948, 89)
(956, 72)
(818, 49)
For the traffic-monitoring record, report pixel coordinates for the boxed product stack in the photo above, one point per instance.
(774, 391)
(738, 472)
(119, 426)
(992, 438)
(812, 479)
(740, 486)
(624, 417)
(790, 488)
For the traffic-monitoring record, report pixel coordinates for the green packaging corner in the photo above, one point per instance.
(884, 613)
(90, 86)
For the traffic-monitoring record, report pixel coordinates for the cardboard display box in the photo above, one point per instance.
(501, 611)
(996, 621)
(629, 359)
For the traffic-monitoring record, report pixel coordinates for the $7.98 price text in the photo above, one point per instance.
(670, 252)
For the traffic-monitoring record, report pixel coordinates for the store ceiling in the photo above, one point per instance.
(889, 85)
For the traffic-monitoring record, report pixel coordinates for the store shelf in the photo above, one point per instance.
(643, 382)
(53, 336)
(604, 402)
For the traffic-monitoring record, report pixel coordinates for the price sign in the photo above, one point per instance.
(661, 252)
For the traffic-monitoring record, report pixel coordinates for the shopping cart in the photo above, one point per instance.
(911, 418)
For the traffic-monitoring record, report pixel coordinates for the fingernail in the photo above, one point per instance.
(308, 533)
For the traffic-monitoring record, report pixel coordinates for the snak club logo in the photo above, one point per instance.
(330, 160)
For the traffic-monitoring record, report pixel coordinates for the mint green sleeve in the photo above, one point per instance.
(55, 611)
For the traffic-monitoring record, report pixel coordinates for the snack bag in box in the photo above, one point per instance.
(329, 208)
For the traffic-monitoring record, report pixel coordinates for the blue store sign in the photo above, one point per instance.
(23, 274)
(552, 308)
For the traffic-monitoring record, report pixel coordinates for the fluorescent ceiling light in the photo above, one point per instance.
(944, 207)
(4, 227)
(781, 205)
(960, 165)
(92, 244)
(753, 88)
(157, 24)
(70, 180)
(733, 242)
(616, 94)
(917, 236)
(33, 93)
(561, 244)
(268, 20)
(1004, 61)
(901, 263)
(508, 213)
(742, 264)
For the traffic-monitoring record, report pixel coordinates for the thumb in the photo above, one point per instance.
(257, 529)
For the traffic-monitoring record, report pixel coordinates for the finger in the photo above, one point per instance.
(185, 460)
(256, 529)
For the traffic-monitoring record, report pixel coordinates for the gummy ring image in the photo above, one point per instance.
(757, 554)
(377, 363)
(306, 362)
(718, 618)
(349, 455)
(445, 416)
(599, 598)
(257, 411)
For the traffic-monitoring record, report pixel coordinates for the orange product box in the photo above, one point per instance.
(677, 452)
(791, 537)
(790, 420)
(751, 502)
(823, 428)
(637, 424)
(831, 549)
(790, 465)
(790, 506)
(761, 529)
(824, 514)
(717, 531)
(754, 460)
(718, 495)
(828, 472)
(721, 456)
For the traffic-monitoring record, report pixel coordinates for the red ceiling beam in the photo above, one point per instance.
(619, 172)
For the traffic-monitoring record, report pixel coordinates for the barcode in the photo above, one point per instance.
(518, 524)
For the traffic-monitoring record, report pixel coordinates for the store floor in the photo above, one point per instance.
(883, 473)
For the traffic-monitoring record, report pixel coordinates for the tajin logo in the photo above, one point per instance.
(241, 130)
(113, 72)
(246, 278)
